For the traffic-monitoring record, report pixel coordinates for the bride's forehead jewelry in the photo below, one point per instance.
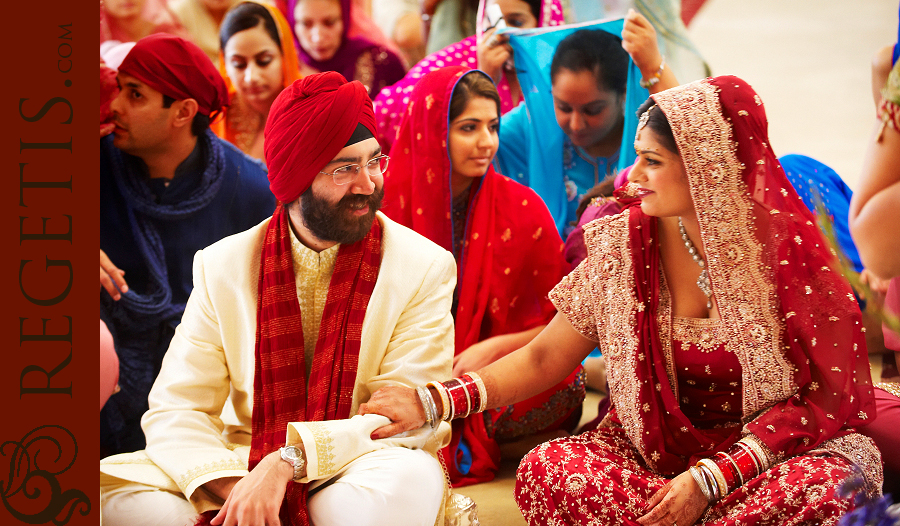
(643, 121)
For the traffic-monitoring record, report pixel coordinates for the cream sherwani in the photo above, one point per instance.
(198, 425)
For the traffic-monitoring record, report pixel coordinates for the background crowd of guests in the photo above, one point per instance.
(504, 156)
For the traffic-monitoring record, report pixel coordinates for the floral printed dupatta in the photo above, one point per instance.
(511, 254)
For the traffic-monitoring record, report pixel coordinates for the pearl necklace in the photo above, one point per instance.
(703, 280)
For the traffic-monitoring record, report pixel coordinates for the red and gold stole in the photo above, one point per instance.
(280, 394)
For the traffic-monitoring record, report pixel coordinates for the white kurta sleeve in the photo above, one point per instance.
(419, 349)
(421, 343)
(332, 444)
(184, 425)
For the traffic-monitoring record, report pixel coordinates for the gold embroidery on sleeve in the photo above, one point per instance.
(324, 450)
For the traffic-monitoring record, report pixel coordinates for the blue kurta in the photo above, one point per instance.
(532, 143)
(580, 170)
(810, 178)
(151, 230)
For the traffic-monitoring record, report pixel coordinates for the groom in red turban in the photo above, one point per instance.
(334, 301)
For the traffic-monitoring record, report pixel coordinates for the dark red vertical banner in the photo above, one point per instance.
(48, 258)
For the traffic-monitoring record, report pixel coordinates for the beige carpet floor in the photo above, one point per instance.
(495, 499)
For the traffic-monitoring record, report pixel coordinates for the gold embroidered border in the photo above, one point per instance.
(324, 450)
(891, 387)
(862, 452)
(365, 69)
(707, 334)
(611, 276)
(746, 298)
(767, 456)
(664, 324)
(196, 472)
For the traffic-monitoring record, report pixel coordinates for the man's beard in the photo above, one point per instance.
(336, 222)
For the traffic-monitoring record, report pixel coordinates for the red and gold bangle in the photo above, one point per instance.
(482, 391)
(746, 461)
(473, 391)
(760, 453)
(729, 470)
(461, 396)
(737, 470)
(445, 399)
(460, 401)
(457, 394)
(747, 456)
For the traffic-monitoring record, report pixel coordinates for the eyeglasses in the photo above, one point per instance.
(346, 174)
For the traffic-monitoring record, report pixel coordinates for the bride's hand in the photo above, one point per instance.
(679, 502)
(400, 404)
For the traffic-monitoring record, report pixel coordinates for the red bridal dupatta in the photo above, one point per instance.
(511, 255)
(280, 392)
(789, 318)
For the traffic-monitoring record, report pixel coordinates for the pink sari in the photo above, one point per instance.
(785, 364)
(392, 100)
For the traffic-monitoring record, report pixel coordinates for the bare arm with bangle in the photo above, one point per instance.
(542, 363)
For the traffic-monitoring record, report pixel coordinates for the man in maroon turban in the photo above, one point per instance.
(291, 326)
(169, 187)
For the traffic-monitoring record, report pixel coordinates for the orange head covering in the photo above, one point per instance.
(229, 127)
(290, 64)
(179, 69)
(309, 123)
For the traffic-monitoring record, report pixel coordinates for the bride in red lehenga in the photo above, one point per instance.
(735, 354)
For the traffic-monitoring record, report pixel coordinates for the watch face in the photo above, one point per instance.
(291, 452)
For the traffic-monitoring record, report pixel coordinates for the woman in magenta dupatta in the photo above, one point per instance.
(782, 365)
(357, 58)
(391, 101)
(508, 253)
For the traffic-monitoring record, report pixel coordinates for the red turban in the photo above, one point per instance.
(309, 123)
(177, 68)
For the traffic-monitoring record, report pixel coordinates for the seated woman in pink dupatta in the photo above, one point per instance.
(322, 33)
(441, 183)
(479, 51)
(736, 357)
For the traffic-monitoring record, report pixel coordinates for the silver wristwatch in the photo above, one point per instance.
(293, 455)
